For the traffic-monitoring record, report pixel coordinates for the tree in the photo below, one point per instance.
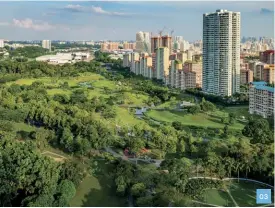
(232, 118)
(67, 139)
(72, 171)
(207, 106)
(138, 189)
(225, 131)
(194, 109)
(24, 173)
(78, 96)
(259, 130)
(146, 201)
(66, 188)
(178, 125)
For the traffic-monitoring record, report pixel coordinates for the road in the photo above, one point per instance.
(133, 160)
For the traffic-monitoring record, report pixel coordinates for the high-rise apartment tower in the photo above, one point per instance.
(221, 53)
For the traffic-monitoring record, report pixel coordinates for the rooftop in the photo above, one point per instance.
(266, 88)
(258, 83)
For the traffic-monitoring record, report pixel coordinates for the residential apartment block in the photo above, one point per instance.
(261, 99)
(126, 60)
(267, 56)
(264, 72)
(246, 76)
(193, 74)
(162, 63)
(221, 52)
(47, 44)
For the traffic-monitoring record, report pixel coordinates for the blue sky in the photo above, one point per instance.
(96, 20)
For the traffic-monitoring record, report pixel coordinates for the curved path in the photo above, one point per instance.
(227, 179)
(115, 154)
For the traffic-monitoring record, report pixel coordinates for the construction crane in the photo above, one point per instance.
(172, 32)
(161, 31)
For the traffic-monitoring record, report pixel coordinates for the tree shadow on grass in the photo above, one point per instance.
(105, 196)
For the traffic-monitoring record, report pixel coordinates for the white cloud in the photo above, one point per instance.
(30, 24)
(76, 8)
(94, 9)
(99, 10)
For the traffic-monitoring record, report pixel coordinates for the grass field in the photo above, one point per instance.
(200, 119)
(125, 118)
(136, 99)
(23, 127)
(218, 197)
(244, 192)
(58, 91)
(98, 190)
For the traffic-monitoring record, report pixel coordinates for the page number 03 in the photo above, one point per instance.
(263, 196)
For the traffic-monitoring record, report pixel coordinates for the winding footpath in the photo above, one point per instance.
(133, 160)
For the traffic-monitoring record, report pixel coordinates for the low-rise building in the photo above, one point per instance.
(246, 76)
(126, 60)
(264, 72)
(261, 99)
(267, 56)
(193, 74)
(176, 76)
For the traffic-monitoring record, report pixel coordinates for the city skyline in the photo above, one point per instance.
(122, 20)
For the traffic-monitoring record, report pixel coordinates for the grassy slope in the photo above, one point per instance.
(217, 197)
(244, 193)
(98, 190)
(200, 119)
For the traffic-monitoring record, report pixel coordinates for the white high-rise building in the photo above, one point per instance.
(47, 44)
(2, 43)
(143, 42)
(221, 52)
(162, 63)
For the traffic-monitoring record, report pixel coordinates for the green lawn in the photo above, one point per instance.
(23, 127)
(238, 110)
(244, 192)
(126, 118)
(104, 83)
(135, 98)
(169, 104)
(200, 119)
(218, 197)
(98, 190)
(58, 91)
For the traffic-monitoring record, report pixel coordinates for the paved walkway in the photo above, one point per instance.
(236, 204)
(133, 160)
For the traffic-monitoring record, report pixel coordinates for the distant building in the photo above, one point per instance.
(261, 99)
(267, 56)
(134, 58)
(264, 72)
(246, 76)
(128, 46)
(182, 56)
(143, 42)
(161, 41)
(104, 46)
(113, 46)
(176, 76)
(197, 58)
(126, 60)
(110, 46)
(193, 75)
(47, 44)
(2, 43)
(146, 66)
(162, 63)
